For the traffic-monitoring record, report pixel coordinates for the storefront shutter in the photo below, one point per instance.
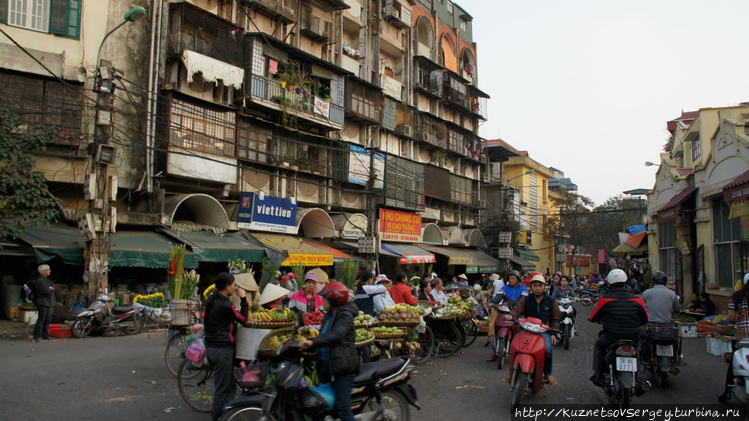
(3, 11)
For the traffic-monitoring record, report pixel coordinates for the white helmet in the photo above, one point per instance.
(616, 276)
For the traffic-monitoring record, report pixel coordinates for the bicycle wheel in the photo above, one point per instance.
(462, 331)
(30, 331)
(472, 330)
(175, 352)
(136, 325)
(426, 347)
(195, 386)
(447, 341)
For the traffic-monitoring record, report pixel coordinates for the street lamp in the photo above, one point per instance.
(520, 175)
(134, 14)
(650, 164)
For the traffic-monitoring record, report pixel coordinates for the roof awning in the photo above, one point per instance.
(524, 264)
(300, 250)
(408, 253)
(624, 249)
(482, 261)
(144, 249)
(738, 189)
(669, 211)
(50, 241)
(455, 256)
(739, 209)
(210, 247)
(527, 255)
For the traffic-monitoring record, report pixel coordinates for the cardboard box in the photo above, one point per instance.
(688, 330)
(29, 317)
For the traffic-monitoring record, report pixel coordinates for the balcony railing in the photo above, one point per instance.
(295, 99)
(391, 86)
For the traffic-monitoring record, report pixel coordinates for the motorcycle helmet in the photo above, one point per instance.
(616, 276)
(514, 272)
(659, 277)
(336, 292)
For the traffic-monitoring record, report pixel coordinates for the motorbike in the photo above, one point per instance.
(588, 296)
(103, 317)
(567, 326)
(504, 331)
(663, 356)
(740, 361)
(380, 392)
(527, 352)
(622, 380)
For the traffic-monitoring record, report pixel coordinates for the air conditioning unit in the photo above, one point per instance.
(315, 25)
(404, 129)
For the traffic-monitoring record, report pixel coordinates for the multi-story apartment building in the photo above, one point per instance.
(269, 115)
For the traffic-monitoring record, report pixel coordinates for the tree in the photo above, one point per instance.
(575, 218)
(617, 213)
(25, 199)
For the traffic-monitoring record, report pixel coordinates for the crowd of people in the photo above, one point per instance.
(621, 313)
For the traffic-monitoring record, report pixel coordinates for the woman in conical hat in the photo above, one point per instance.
(273, 295)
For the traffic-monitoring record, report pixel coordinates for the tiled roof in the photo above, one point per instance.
(743, 178)
(684, 172)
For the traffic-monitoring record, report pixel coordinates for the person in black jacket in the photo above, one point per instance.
(336, 352)
(220, 330)
(43, 302)
(622, 313)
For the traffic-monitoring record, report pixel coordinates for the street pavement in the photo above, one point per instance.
(124, 378)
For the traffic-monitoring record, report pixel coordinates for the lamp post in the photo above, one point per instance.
(101, 219)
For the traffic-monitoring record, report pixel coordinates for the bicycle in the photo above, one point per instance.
(177, 340)
(195, 384)
(447, 337)
(425, 349)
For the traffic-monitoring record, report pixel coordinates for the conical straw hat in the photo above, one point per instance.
(271, 293)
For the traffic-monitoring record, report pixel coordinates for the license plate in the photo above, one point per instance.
(664, 350)
(626, 364)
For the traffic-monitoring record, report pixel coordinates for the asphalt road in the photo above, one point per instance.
(124, 378)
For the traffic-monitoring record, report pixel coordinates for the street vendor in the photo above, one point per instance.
(400, 292)
(366, 291)
(438, 293)
(273, 296)
(306, 300)
(383, 300)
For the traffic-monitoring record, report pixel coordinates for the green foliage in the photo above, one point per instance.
(350, 270)
(25, 199)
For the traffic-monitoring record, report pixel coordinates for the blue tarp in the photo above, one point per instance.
(636, 229)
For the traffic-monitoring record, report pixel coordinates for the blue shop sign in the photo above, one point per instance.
(258, 211)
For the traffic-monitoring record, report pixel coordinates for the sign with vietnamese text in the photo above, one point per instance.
(399, 226)
(601, 256)
(355, 227)
(358, 167)
(322, 107)
(261, 212)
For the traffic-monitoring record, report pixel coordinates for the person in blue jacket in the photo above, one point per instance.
(514, 289)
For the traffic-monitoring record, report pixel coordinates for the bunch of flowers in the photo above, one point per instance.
(239, 266)
(271, 265)
(208, 291)
(190, 281)
(155, 300)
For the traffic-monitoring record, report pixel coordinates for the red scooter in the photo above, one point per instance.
(527, 359)
(504, 331)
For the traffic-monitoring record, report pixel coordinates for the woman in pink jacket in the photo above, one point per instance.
(306, 300)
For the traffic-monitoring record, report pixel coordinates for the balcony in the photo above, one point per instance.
(398, 14)
(307, 106)
(423, 50)
(315, 23)
(391, 40)
(350, 59)
(275, 9)
(353, 13)
(391, 87)
(194, 29)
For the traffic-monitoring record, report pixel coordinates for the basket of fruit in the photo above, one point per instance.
(364, 320)
(400, 315)
(363, 337)
(272, 341)
(313, 319)
(269, 319)
(382, 332)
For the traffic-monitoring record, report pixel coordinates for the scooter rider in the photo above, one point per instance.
(622, 313)
(661, 302)
(541, 306)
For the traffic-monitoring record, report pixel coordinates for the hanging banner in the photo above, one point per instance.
(601, 256)
(322, 107)
(358, 164)
(399, 226)
(261, 212)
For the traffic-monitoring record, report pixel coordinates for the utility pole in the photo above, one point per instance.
(101, 188)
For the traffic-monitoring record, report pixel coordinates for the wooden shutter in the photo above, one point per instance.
(4, 11)
(58, 17)
(65, 18)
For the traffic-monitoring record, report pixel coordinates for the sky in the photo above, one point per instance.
(587, 86)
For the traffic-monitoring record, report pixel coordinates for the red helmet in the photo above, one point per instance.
(336, 292)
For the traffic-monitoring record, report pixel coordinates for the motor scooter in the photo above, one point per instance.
(622, 380)
(103, 317)
(567, 325)
(527, 352)
(381, 392)
(504, 331)
(663, 353)
(739, 388)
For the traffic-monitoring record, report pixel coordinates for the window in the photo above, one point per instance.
(37, 100)
(730, 264)
(449, 7)
(668, 256)
(696, 150)
(202, 129)
(252, 143)
(462, 25)
(59, 17)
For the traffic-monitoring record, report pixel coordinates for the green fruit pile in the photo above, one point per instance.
(363, 335)
(382, 330)
(399, 314)
(363, 319)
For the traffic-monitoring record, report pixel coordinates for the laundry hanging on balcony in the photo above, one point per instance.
(212, 70)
